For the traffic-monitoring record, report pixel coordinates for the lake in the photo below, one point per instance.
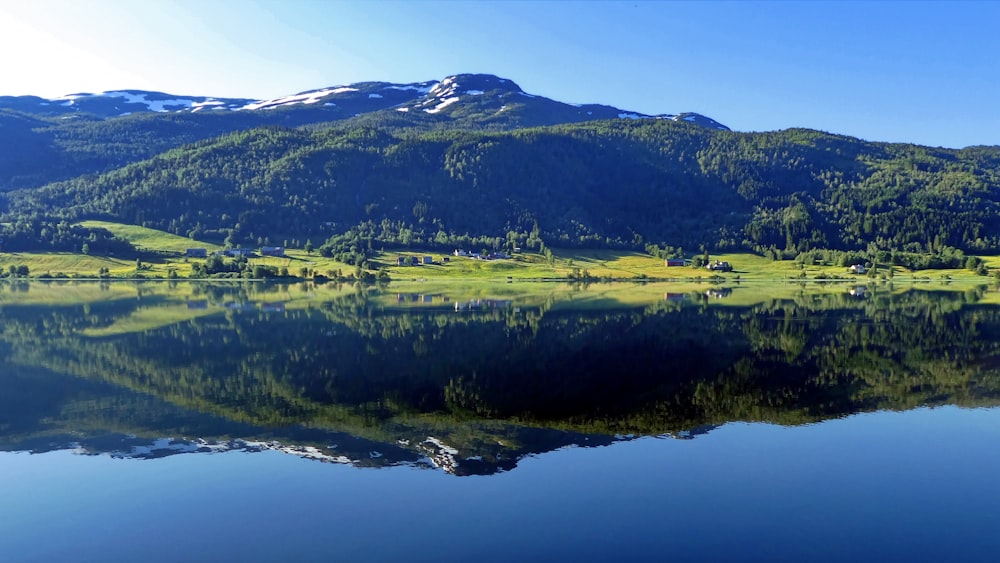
(498, 422)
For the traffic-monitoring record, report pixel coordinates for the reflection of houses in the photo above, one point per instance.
(719, 292)
(196, 253)
(418, 298)
(858, 269)
(276, 307)
(272, 250)
(859, 291)
(482, 304)
(720, 266)
(675, 296)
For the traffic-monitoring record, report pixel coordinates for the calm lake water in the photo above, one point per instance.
(529, 422)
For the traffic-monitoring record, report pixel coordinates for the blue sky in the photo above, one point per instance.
(922, 72)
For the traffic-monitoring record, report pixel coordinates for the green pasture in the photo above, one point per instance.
(151, 239)
(564, 264)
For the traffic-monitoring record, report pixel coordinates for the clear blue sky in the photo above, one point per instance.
(923, 72)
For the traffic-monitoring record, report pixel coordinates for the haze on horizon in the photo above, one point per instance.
(920, 72)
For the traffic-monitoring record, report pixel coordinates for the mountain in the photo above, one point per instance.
(475, 158)
(46, 140)
(455, 97)
(490, 100)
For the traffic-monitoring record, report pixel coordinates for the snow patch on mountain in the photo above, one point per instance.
(207, 103)
(444, 89)
(303, 98)
(210, 104)
(444, 103)
(158, 106)
(422, 89)
(71, 97)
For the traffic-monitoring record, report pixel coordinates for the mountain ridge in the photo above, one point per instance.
(432, 97)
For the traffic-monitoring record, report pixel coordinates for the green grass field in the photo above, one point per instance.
(150, 239)
(602, 264)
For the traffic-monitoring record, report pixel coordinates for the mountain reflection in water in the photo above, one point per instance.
(466, 383)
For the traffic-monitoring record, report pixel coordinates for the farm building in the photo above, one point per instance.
(196, 253)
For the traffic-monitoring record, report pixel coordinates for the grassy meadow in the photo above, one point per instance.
(165, 258)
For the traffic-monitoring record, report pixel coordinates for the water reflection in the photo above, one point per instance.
(466, 381)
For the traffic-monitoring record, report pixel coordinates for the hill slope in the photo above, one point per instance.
(611, 183)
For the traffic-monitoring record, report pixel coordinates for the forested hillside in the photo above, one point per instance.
(613, 183)
(38, 150)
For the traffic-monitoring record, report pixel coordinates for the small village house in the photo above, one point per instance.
(720, 266)
(237, 252)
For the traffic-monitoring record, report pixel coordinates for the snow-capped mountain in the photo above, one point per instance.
(482, 97)
(466, 94)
